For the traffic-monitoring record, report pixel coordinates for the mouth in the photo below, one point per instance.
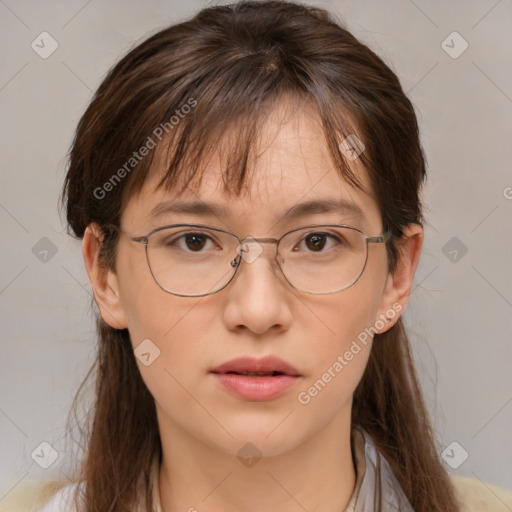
(253, 374)
(256, 380)
(255, 367)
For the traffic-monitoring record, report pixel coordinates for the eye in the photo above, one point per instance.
(193, 241)
(316, 242)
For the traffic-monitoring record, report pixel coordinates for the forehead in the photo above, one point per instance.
(292, 177)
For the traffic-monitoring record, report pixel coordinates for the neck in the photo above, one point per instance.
(317, 475)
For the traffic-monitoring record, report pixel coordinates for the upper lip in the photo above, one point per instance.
(268, 364)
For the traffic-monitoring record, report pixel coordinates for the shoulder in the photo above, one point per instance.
(478, 496)
(62, 501)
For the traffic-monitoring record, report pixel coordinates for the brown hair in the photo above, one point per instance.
(230, 64)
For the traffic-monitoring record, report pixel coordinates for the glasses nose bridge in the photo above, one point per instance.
(260, 241)
(264, 240)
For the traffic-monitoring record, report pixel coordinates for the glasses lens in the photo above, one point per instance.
(189, 260)
(323, 259)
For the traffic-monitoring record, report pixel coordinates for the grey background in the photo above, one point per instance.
(460, 312)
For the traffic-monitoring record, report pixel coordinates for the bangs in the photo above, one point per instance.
(228, 123)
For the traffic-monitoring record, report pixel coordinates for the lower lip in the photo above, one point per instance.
(256, 389)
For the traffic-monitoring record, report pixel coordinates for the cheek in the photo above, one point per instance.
(168, 333)
(342, 318)
(340, 345)
(344, 346)
(331, 389)
(145, 305)
(173, 324)
(168, 328)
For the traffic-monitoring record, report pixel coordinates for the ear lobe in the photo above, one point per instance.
(399, 283)
(104, 281)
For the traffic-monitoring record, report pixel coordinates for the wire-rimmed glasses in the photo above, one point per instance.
(193, 260)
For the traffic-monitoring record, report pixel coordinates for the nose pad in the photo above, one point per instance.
(236, 261)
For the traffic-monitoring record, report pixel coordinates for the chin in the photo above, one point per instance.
(262, 434)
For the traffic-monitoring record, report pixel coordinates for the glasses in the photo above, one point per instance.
(193, 260)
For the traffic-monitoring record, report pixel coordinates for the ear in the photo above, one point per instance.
(104, 281)
(399, 283)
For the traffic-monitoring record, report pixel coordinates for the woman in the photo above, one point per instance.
(246, 185)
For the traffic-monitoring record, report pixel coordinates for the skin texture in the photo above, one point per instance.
(306, 449)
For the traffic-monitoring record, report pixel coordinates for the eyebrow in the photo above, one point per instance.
(209, 209)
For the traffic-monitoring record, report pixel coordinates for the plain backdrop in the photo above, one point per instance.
(459, 317)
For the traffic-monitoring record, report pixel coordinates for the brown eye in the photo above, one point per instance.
(315, 242)
(195, 241)
(191, 242)
(320, 243)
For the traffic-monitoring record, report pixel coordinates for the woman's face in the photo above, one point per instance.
(258, 314)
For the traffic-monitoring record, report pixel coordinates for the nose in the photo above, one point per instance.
(258, 298)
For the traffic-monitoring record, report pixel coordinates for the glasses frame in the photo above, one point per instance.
(144, 240)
